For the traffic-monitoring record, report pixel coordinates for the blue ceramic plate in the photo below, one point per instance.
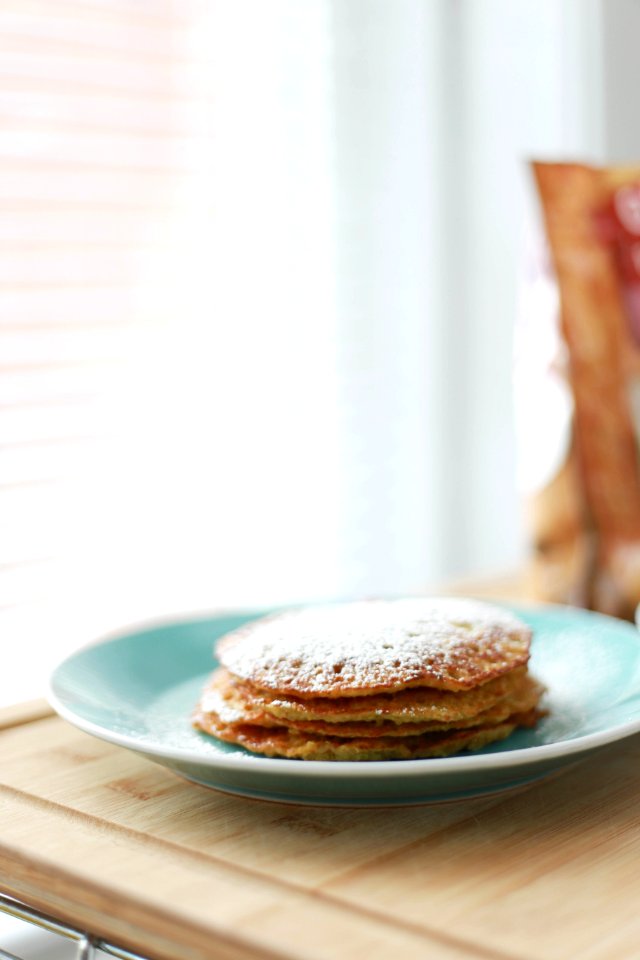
(137, 690)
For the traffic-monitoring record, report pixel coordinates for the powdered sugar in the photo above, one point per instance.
(345, 649)
(213, 702)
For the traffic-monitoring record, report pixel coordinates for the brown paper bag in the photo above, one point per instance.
(585, 521)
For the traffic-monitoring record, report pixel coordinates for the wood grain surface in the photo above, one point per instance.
(13, 716)
(102, 838)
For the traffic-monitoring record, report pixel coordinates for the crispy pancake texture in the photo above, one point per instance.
(233, 703)
(280, 742)
(407, 706)
(378, 646)
(520, 702)
(376, 680)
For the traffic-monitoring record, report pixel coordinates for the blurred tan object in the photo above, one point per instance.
(559, 571)
(585, 517)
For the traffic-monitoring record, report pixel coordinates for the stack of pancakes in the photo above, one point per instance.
(374, 680)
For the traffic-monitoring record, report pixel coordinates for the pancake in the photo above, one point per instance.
(375, 680)
(520, 702)
(225, 697)
(406, 706)
(233, 703)
(280, 742)
(379, 646)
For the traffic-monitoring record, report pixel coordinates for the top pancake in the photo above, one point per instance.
(377, 646)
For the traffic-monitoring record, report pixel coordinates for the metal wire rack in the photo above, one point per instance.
(86, 944)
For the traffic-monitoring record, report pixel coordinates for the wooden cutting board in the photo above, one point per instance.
(108, 841)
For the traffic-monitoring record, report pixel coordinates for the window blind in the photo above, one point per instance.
(95, 131)
(168, 424)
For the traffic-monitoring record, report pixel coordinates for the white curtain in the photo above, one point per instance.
(258, 285)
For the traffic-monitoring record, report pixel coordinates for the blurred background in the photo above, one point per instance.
(259, 274)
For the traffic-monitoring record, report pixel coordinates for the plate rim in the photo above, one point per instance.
(469, 763)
